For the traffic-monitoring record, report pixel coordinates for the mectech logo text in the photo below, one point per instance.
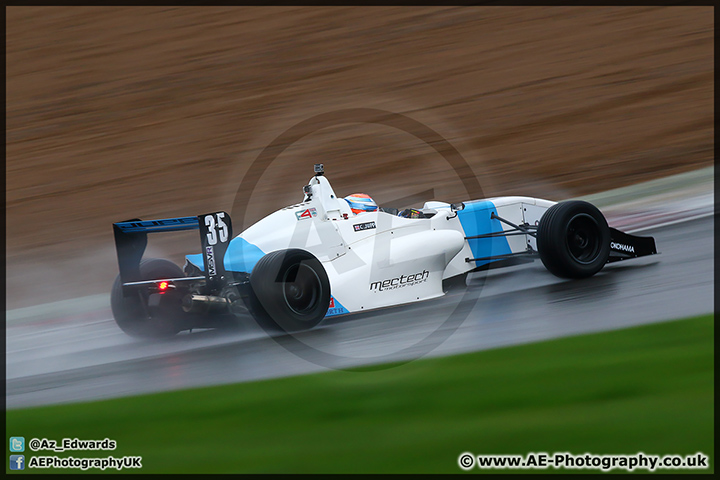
(400, 282)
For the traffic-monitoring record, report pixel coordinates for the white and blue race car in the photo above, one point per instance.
(318, 258)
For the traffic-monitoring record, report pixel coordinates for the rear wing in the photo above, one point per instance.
(131, 241)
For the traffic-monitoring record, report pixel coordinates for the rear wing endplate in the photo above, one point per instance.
(215, 235)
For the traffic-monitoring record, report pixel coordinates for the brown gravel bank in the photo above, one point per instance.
(114, 113)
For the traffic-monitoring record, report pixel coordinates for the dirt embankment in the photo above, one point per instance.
(114, 113)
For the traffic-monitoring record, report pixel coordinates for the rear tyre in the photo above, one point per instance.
(573, 239)
(290, 291)
(133, 314)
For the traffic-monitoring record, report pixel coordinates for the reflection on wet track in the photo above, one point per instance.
(88, 357)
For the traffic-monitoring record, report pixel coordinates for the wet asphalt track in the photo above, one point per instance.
(89, 358)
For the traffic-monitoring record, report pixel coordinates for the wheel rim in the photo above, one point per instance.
(301, 288)
(583, 238)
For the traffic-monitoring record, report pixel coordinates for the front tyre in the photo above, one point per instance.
(573, 239)
(290, 290)
(138, 319)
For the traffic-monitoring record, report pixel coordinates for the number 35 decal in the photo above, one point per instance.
(216, 227)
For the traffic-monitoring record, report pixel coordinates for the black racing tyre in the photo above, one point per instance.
(290, 291)
(573, 239)
(259, 313)
(136, 318)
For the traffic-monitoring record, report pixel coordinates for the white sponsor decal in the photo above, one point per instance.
(210, 255)
(364, 226)
(622, 247)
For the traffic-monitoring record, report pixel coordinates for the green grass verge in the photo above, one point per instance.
(647, 388)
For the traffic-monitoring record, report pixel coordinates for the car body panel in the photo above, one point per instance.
(375, 259)
(372, 259)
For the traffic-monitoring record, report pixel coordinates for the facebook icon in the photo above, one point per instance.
(17, 462)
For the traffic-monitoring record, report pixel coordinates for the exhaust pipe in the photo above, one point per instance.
(204, 304)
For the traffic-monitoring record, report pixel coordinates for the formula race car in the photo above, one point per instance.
(324, 257)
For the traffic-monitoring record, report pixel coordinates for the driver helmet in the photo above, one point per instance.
(361, 203)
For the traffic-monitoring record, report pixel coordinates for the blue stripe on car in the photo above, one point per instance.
(241, 256)
(159, 225)
(475, 220)
(338, 309)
